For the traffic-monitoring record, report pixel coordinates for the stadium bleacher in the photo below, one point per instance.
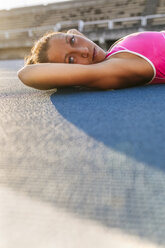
(20, 27)
(53, 13)
(160, 10)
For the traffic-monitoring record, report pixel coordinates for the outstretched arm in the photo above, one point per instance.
(52, 75)
(114, 73)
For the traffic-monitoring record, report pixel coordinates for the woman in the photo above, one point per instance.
(71, 59)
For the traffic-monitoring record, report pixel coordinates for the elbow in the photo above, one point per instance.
(23, 75)
(28, 77)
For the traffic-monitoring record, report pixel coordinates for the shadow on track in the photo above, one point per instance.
(131, 121)
(123, 195)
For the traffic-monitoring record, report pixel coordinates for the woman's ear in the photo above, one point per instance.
(74, 31)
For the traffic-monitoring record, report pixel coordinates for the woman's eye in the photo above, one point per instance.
(72, 40)
(71, 60)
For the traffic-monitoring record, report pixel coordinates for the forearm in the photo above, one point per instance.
(51, 75)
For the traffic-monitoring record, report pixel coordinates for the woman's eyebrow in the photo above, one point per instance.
(67, 41)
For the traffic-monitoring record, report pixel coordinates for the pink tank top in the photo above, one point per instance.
(148, 45)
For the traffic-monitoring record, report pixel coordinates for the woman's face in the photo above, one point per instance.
(74, 49)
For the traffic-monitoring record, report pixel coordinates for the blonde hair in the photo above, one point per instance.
(38, 52)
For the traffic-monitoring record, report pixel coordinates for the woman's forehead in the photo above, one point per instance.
(56, 46)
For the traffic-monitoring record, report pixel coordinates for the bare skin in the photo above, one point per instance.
(72, 62)
(74, 48)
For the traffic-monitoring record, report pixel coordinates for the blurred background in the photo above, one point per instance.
(103, 21)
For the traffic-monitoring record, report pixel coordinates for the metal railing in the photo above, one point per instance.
(81, 25)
